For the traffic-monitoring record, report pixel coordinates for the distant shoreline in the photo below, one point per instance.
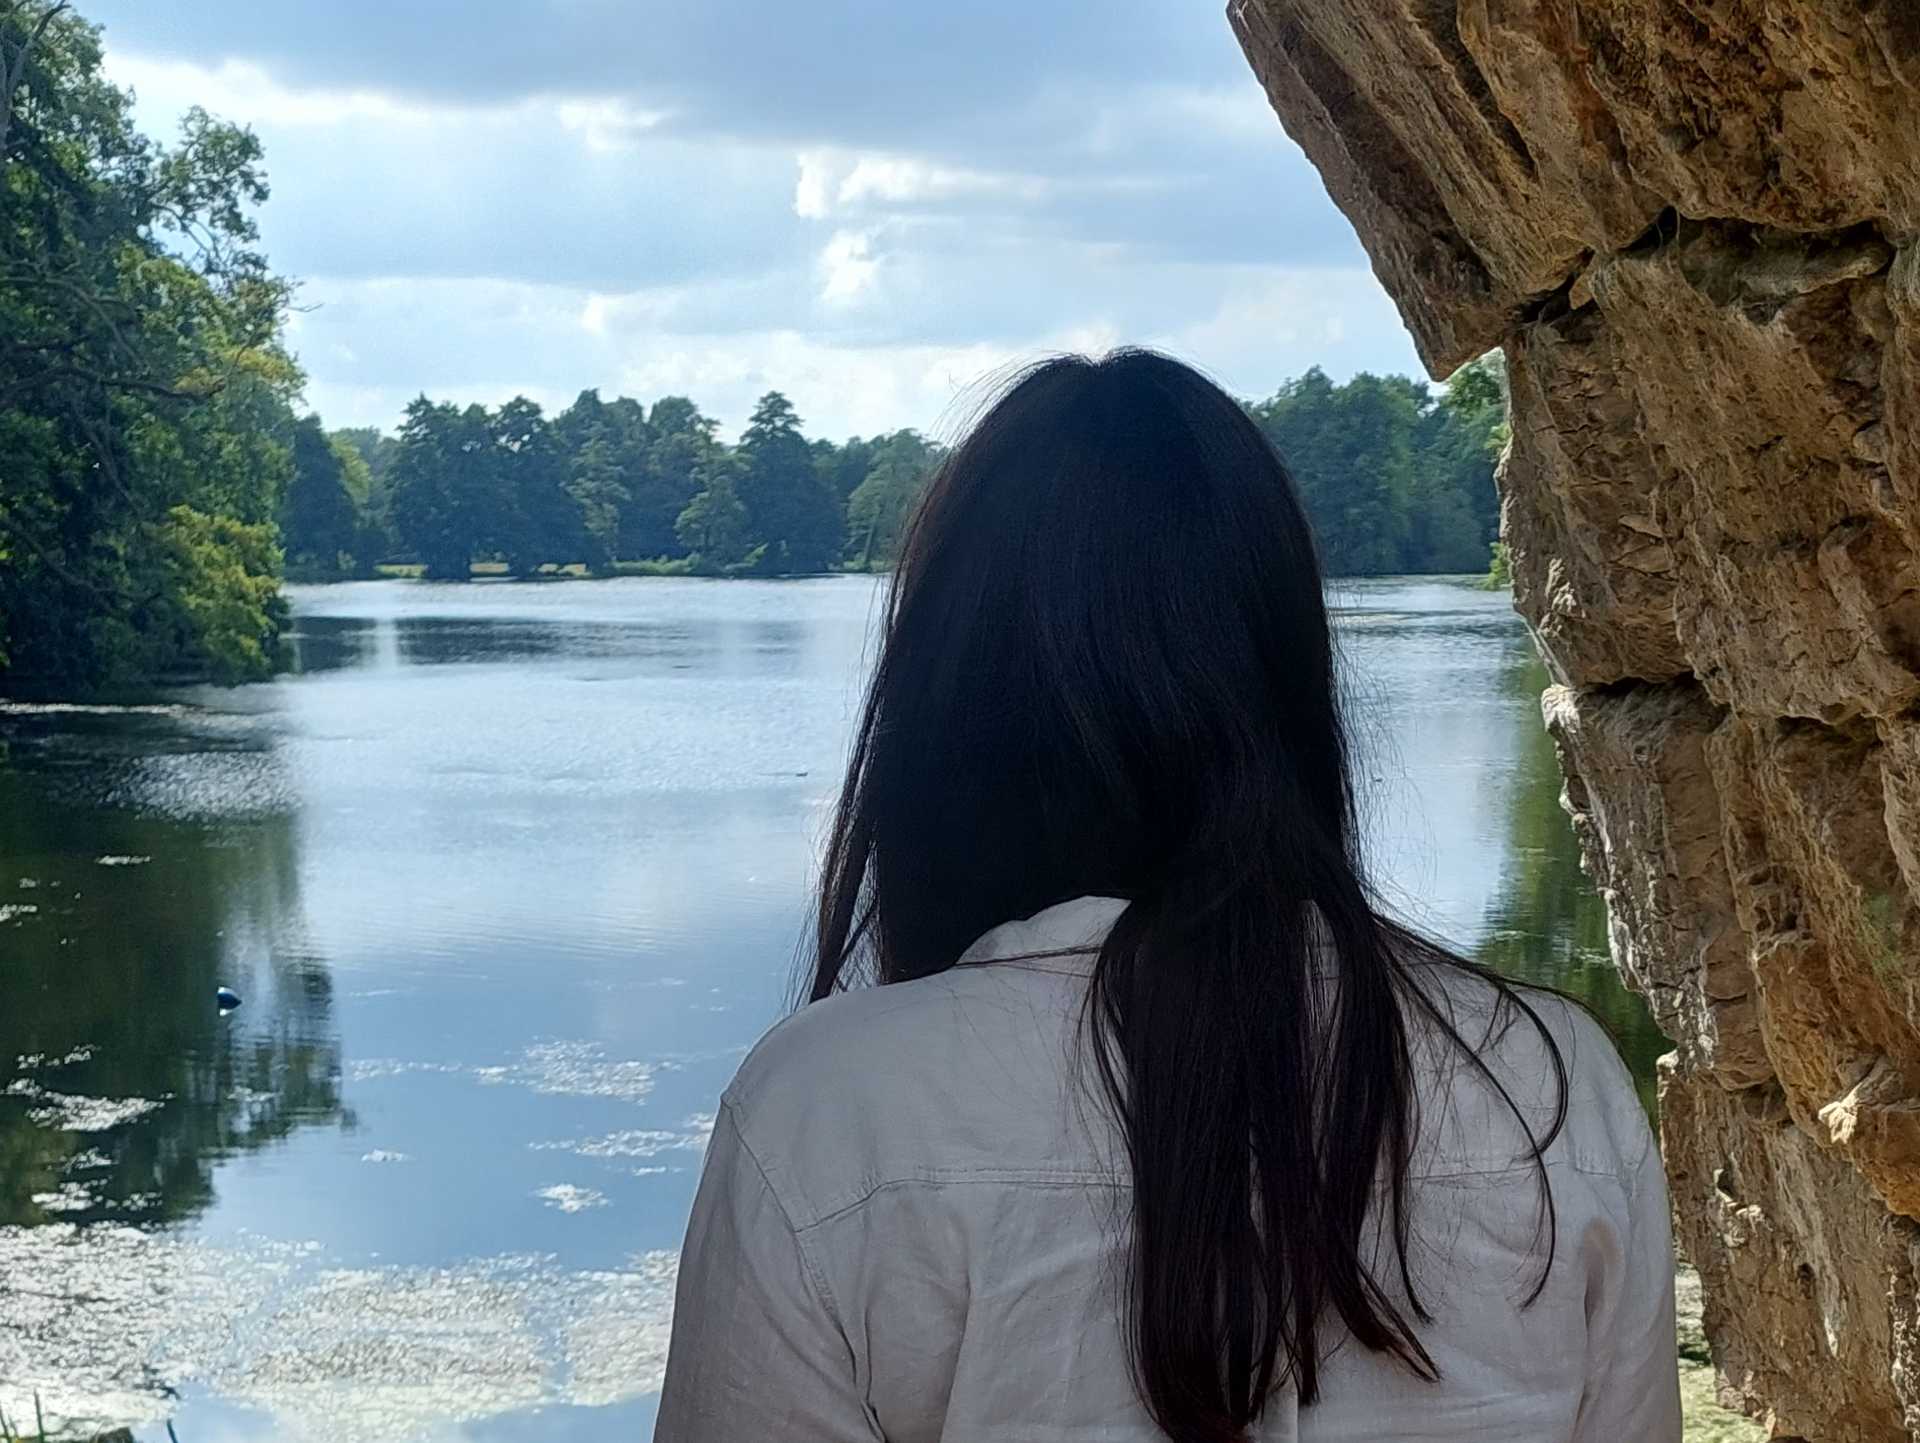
(496, 571)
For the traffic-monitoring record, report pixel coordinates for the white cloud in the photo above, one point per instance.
(478, 242)
(486, 341)
(239, 91)
(593, 192)
(607, 125)
(593, 315)
(902, 179)
(848, 267)
(813, 187)
(829, 181)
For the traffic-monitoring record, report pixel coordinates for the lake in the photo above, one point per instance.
(508, 877)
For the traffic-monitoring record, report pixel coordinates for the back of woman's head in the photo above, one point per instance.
(1108, 670)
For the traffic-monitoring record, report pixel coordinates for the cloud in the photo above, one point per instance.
(862, 203)
(370, 185)
(848, 267)
(1252, 326)
(861, 72)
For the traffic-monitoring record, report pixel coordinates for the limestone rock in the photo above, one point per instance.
(1694, 226)
(1827, 922)
(1486, 148)
(1648, 816)
(1797, 1260)
(1593, 568)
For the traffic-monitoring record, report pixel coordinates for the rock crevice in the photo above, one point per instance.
(1694, 228)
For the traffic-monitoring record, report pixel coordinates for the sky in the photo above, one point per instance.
(874, 206)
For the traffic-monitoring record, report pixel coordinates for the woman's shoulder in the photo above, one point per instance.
(1500, 1063)
(943, 1075)
(828, 1043)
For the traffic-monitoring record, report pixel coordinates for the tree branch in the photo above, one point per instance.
(12, 73)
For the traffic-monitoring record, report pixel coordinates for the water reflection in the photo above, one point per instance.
(327, 643)
(1546, 923)
(1465, 827)
(124, 1087)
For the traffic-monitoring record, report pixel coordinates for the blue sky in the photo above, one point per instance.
(868, 204)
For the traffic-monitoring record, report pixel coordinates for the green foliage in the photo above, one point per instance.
(878, 508)
(374, 447)
(713, 527)
(144, 394)
(367, 455)
(606, 485)
(539, 518)
(319, 518)
(445, 502)
(1499, 575)
(222, 601)
(596, 487)
(1394, 479)
(796, 521)
(845, 466)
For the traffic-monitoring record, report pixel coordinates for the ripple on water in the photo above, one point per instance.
(637, 1142)
(564, 1069)
(101, 1321)
(70, 1112)
(571, 1198)
(35, 1061)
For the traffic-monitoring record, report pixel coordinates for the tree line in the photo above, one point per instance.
(157, 480)
(1395, 478)
(603, 486)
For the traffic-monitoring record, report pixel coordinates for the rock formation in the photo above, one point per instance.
(1694, 226)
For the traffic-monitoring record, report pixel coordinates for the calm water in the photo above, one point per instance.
(509, 877)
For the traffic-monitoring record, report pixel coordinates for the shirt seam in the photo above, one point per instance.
(990, 1178)
(823, 1291)
(1066, 1178)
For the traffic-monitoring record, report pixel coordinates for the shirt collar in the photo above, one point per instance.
(1067, 934)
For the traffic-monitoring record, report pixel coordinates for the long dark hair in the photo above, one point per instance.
(1108, 670)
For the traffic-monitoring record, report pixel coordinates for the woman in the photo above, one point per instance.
(1155, 1126)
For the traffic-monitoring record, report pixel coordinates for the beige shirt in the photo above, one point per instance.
(908, 1222)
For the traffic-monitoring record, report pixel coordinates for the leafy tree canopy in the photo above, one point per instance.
(145, 394)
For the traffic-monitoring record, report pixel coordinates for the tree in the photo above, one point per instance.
(538, 519)
(375, 448)
(845, 466)
(445, 505)
(877, 511)
(713, 527)
(596, 485)
(142, 379)
(319, 519)
(223, 601)
(1479, 388)
(367, 455)
(680, 438)
(1393, 479)
(795, 519)
(1456, 507)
